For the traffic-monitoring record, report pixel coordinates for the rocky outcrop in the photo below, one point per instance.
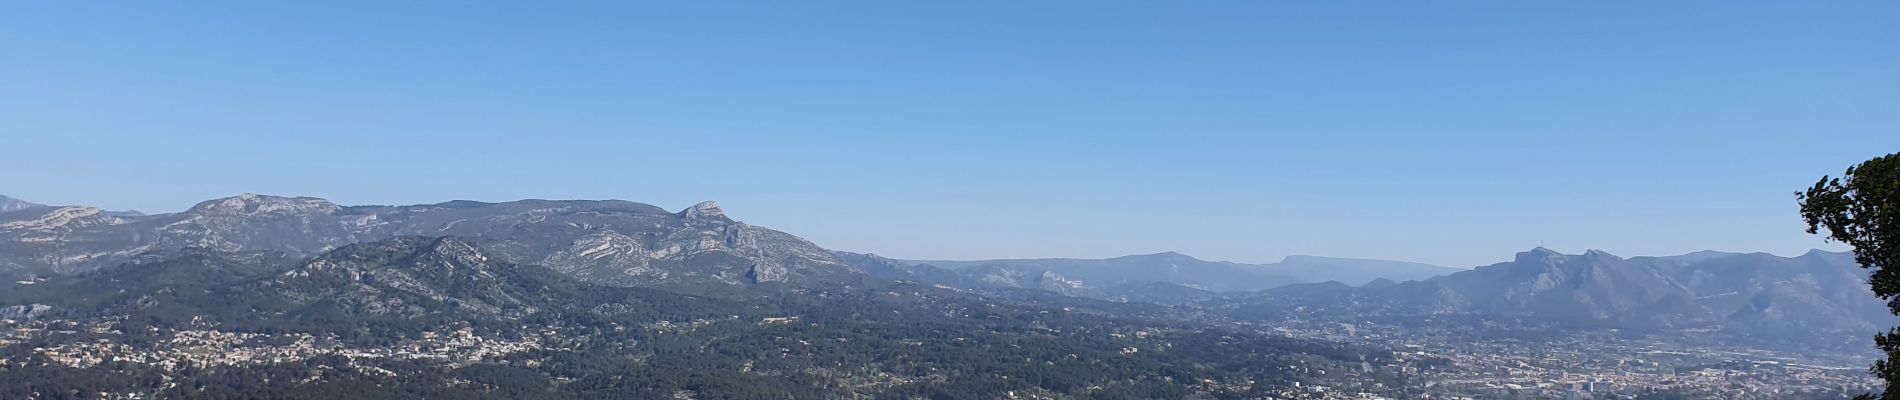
(705, 210)
(9, 204)
(410, 276)
(24, 312)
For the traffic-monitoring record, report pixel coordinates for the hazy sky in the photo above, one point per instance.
(1455, 133)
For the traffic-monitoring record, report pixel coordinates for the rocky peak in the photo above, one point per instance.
(62, 217)
(1540, 255)
(252, 204)
(705, 210)
(1594, 254)
(13, 204)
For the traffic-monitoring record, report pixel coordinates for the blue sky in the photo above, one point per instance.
(1453, 133)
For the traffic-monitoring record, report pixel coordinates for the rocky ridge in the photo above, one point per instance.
(614, 242)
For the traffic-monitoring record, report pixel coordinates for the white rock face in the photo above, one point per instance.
(63, 217)
(12, 204)
(607, 249)
(764, 272)
(25, 312)
(704, 210)
(1050, 278)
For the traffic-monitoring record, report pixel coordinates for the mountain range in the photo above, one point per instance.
(700, 250)
(613, 242)
(441, 317)
(1753, 294)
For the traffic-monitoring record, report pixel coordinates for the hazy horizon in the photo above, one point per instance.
(1504, 257)
(1453, 136)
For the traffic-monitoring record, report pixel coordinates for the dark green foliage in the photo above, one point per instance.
(898, 341)
(1862, 209)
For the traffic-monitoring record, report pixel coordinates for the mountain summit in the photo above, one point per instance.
(703, 210)
(12, 204)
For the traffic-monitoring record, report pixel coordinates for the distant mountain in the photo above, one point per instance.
(1754, 293)
(1378, 283)
(1218, 276)
(8, 204)
(1167, 267)
(893, 269)
(126, 213)
(1354, 271)
(1698, 256)
(614, 242)
(1159, 293)
(986, 277)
